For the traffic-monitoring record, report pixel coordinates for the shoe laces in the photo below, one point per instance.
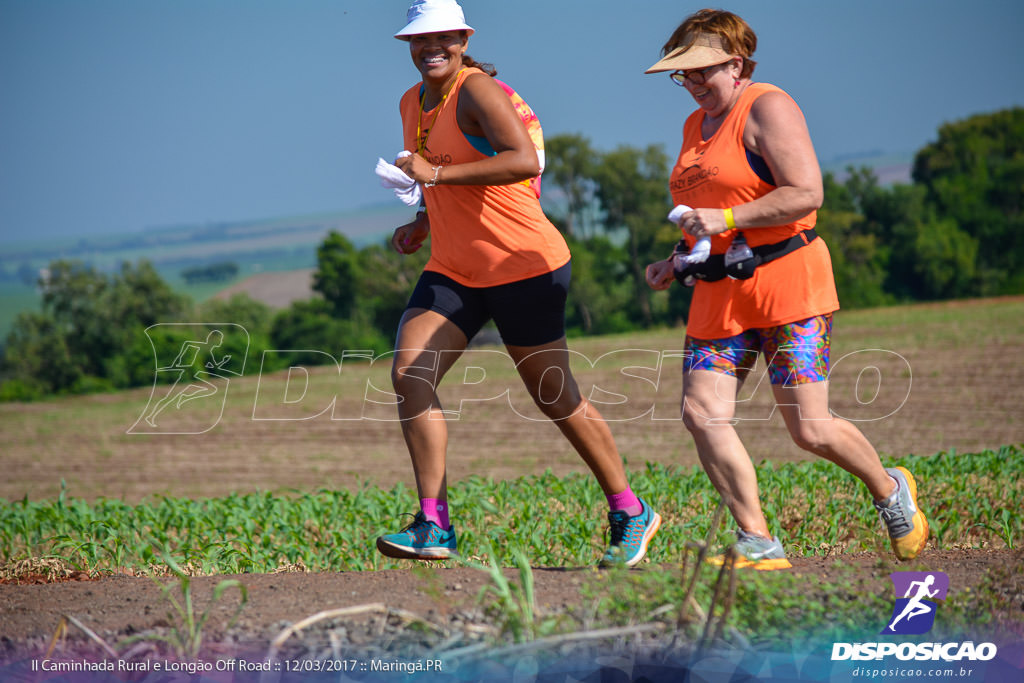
(417, 519)
(419, 525)
(895, 519)
(619, 524)
(742, 536)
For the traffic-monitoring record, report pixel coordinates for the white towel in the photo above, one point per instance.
(676, 214)
(702, 249)
(394, 178)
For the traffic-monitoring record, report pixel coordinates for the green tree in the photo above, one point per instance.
(241, 309)
(138, 296)
(213, 272)
(601, 291)
(73, 299)
(308, 329)
(338, 274)
(135, 298)
(87, 322)
(944, 259)
(632, 186)
(859, 249)
(974, 175)
(388, 281)
(932, 258)
(37, 358)
(569, 166)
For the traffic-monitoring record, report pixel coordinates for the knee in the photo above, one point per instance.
(406, 382)
(399, 377)
(700, 415)
(558, 404)
(815, 436)
(555, 392)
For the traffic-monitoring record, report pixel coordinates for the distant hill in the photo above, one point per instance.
(888, 168)
(275, 257)
(277, 290)
(257, 245)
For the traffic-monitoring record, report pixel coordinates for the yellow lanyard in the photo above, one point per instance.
(421, 139)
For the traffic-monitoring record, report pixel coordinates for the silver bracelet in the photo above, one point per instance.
(433, 181)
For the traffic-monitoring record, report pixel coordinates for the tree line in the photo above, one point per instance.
(221, 271)
(955, 231)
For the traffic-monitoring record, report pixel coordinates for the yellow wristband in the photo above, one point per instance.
(730, 222)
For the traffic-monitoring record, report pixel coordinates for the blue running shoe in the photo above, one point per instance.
(420, 540)
(630, 536)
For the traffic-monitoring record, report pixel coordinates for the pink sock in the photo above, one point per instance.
(627, 501)
(436, 511)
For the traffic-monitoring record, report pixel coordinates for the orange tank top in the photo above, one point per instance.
(716, 173)
(481, 235)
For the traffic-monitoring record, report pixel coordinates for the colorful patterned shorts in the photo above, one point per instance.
(796, 353)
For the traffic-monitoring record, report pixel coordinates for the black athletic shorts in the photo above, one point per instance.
(527, 312)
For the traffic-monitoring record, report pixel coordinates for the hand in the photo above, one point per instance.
(659, 275)
(703, 222)
(416, 167)
(408, 238)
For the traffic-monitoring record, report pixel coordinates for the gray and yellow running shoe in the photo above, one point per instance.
(757, 552)
(907, 526)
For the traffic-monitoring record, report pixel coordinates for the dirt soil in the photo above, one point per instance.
(381, 605)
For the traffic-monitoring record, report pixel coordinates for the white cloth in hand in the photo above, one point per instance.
(676, 214)
(700, 252)
(702, 249)
(392, 177)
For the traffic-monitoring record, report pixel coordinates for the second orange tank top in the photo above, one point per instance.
(716, 173)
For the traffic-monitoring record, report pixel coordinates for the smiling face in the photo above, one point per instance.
(716, 94)
(438, 55)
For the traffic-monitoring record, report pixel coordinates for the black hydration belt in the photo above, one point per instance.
(713, 268)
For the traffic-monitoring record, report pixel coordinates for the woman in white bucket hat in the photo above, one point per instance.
(748, 167)
(494, 255)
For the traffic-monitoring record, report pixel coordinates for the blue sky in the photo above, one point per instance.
(123, 115)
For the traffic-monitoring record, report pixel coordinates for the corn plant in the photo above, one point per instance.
(815, 507)
(513, 604)
(185, 636)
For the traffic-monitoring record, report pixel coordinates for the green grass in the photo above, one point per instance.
(816, 508)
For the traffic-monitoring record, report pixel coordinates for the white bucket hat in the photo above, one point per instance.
(432, 16)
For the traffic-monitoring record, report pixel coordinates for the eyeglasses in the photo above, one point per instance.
(695, 76)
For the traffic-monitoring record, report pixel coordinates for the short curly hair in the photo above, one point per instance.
(737, 36)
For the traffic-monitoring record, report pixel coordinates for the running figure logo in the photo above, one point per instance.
(200, 370)
(914, 613)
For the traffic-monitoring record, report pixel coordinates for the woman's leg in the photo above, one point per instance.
(709, 406)
(530, 315)
(427, 347)
(428, 344)
(798, 365)
(797, 354)
(814, 428)
(545, 372)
